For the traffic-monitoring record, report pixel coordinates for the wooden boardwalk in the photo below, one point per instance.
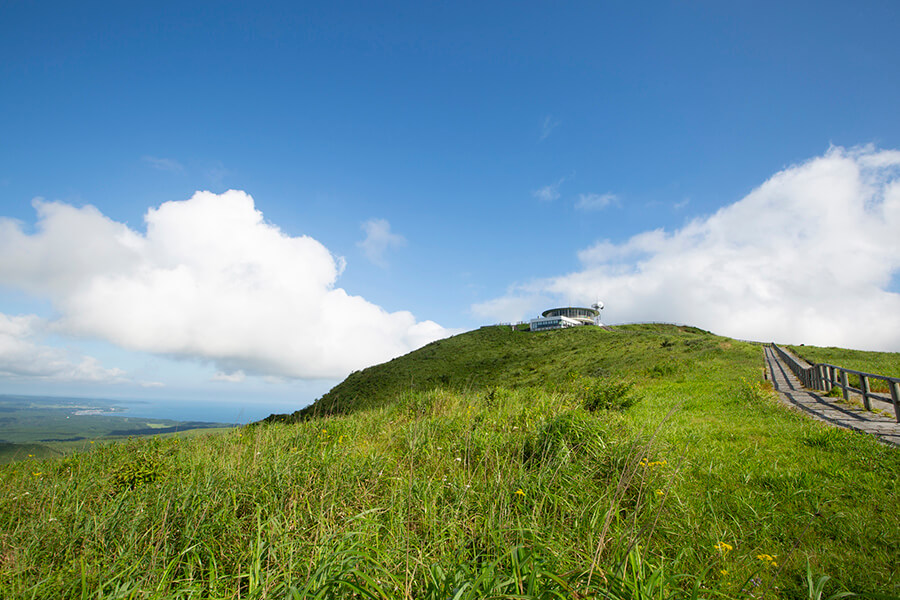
(831, 410)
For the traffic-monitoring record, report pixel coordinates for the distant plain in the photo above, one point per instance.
(45, 426)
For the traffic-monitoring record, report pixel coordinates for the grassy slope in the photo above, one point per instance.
(880, 363)
(497, 356)
(425, 491)
(10, 452)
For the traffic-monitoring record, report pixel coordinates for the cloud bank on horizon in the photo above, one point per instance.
(810, 256)
(210, 280)
(23, 357)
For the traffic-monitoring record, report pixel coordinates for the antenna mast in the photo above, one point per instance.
(598, 306)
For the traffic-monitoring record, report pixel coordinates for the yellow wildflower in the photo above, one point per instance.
(723, 547)
(520, 492)
(768, 559)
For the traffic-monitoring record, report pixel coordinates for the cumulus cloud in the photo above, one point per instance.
(379, 239)
(589, 202)
(806, 257)
(23, 357)
(209, 280)
(510, 308)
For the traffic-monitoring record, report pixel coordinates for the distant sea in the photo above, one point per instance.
(176, 410)
(179, 410)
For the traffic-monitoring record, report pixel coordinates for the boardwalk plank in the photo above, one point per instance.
(830, 410)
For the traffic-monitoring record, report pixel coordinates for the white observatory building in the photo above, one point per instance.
(569, 316)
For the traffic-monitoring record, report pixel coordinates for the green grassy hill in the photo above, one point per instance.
(498, 356)
(880, 363)
(644, 462)
(10, 452)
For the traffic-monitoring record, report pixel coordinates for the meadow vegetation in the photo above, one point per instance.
(645, 462)
(505, 357)
(879, 363)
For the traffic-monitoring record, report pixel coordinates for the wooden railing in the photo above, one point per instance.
(824, 377)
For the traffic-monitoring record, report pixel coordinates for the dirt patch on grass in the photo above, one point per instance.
(7, 556)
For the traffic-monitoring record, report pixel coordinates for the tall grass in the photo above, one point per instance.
(879, 363)
(499, 493)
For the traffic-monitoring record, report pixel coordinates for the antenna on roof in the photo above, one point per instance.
(598, 306)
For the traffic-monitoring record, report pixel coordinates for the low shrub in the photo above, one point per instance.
(567, 436)
(143, 469)
(602, 394)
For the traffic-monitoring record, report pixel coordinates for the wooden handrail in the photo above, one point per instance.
(871, 375)
(825, 376)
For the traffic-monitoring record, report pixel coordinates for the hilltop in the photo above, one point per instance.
(647, 461)
(501, 356)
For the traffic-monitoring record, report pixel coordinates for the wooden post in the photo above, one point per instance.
(895, 397)
(845, 384)
(864, 390)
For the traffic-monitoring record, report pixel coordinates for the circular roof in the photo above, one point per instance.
(571, 311)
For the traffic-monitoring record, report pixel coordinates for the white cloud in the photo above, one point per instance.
(209, 280)
(379, 239)
(236, 377)
(164, 164)
(549, 193)
(510, 308)
(22, 357)
(807, 257)
(547, 126)
(595, 201)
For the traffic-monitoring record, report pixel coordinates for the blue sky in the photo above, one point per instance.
(427, 168)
